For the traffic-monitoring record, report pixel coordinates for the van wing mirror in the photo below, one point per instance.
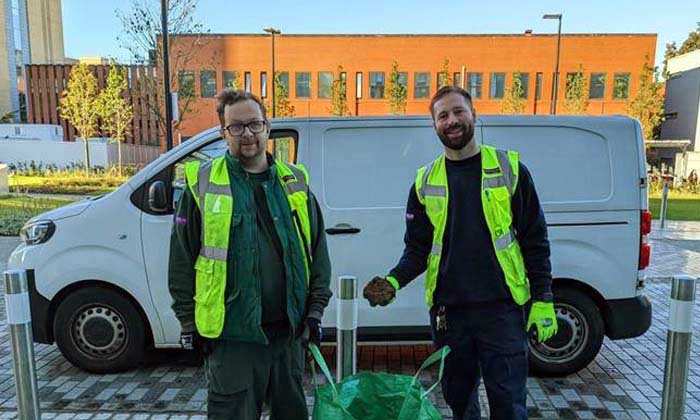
(157, 197)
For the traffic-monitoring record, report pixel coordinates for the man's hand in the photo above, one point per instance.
(191, 340)
(544, 319)
(313, 333)
(380, 291)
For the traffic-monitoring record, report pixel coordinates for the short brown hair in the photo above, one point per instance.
(446, 90)
(230, 96)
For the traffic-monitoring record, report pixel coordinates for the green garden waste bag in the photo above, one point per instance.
(375, 396)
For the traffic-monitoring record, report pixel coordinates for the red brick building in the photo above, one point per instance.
(484, 64)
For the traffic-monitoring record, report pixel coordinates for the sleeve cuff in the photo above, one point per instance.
(393, 281)
(315, 314)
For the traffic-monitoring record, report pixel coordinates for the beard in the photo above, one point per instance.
(460, 142)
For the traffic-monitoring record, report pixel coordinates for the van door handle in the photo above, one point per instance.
(342, 229)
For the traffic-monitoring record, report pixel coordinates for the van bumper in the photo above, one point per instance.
(627, 318)
(40, 308)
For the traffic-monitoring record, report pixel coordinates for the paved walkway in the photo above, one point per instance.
(624, 382)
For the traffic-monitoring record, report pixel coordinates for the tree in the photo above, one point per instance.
(142, 38)
(116, 112)
(444, 74)
(398, 94)
(514, 98)
(576, 93)
(339, 96)
(78, 105)
(691, 43)
(282, 106)
(648, 104)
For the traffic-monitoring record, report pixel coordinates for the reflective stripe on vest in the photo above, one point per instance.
(210, 185)
(499, 178)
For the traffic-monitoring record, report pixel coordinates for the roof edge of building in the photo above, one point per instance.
(602, 34)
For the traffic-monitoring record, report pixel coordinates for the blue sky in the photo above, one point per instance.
(91, 27)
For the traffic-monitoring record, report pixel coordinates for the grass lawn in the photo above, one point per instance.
(681, 206)
(15, 210)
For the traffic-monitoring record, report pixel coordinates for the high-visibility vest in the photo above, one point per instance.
(210, 185)
(499, 178)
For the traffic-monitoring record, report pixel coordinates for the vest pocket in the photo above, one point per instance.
(204, 269)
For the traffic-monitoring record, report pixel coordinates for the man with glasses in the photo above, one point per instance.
(249, 269)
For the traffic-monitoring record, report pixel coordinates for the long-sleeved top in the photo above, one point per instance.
(262, 233)
(469, 271)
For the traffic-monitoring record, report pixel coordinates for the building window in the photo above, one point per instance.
(325, 84)
(303, 84)
(230, 79)
(358, 85)
(283, 79)
(344, 79)
(621, 86)
(497, 85)
(207, 84)
(263, 84)
(524, 82)
(597, 86)
(403, 79)
(185, 82)
(247, 81)
(421, 85)
(376, 84)
(538, 86)
(440, 82)
(457, 79)
(474, 83)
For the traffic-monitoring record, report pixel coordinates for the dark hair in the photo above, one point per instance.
(446, 90)
(230, 96)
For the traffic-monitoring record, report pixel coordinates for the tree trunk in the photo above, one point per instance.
(119, 153)
(87, 156)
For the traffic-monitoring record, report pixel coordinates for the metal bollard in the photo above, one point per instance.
(664, 204)
(19, 319)
(680, 335)
(346, 324)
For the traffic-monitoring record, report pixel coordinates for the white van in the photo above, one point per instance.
(98, 268)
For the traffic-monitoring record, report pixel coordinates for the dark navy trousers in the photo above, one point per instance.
(487, 340)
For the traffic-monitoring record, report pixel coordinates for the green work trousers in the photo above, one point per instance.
(244, 376)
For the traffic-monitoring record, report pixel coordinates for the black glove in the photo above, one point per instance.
(379, 291)
(313, 333)
(191, 340)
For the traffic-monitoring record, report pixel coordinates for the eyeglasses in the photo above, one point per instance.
(255, 127)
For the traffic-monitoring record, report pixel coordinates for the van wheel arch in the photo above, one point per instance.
(68, 290)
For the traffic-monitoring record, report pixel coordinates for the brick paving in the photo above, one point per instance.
(624, 382)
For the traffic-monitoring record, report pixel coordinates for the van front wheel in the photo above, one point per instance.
(578, 340)
(99, 330)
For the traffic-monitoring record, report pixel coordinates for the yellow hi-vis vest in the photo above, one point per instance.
(211, 188)
(499, 177)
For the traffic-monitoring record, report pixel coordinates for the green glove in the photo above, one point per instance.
(543, 317)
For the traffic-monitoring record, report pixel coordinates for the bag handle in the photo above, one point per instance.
(318, 358)
(440, 355)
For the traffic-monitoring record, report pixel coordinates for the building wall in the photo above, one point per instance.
(682, 108)
(532, 54)
(45, 31)
(5, 51)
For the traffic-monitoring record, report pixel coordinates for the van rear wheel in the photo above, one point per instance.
(578, 340)
(99, 330)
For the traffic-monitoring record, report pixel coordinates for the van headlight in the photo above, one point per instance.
(37, 232)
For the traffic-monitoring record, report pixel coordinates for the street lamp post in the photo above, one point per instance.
(273, 32)
(555, 82)
(166, 77)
